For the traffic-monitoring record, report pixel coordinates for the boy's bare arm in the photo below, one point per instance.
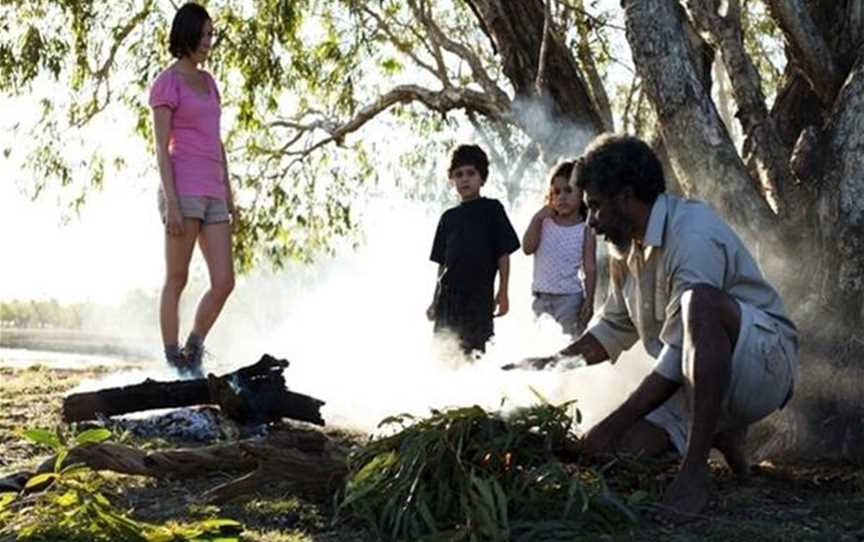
(502, 299)
(430, 312)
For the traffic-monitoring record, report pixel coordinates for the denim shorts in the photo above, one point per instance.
(208, 210)
(764, 365)
(564, 308)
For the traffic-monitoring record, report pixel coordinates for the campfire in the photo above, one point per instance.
(254, 397)
(251, 395)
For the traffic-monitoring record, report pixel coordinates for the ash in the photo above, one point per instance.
(202, 424)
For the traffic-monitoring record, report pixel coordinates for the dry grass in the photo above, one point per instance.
(782, 502)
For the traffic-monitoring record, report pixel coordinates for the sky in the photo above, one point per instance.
(115, 246)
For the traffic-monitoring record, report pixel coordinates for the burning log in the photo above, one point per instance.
(251, 395)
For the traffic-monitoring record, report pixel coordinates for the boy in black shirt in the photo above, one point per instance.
(473, 242)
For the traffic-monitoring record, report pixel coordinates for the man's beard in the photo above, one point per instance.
(619, 239)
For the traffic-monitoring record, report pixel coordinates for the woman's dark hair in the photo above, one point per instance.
(612, 162)
(470, 155)
(186, 29)
(564, 169)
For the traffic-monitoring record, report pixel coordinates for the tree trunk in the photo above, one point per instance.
(571, 120)
(824, 291)
(702, 154)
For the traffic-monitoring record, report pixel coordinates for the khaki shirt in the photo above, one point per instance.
(685, 244)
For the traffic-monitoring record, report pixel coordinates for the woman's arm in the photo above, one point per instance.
(229, 193)
(162, 134)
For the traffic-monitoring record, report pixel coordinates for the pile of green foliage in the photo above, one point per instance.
(467, 474)
(69, 503)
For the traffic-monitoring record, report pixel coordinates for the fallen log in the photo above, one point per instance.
(309, 462)
(251, 395)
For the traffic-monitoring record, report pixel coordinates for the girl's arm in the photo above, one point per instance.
(531, 239)
(162, 134)
(502, 299)
(589, 267)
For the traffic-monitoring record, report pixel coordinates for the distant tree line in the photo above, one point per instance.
(40, 314)
(136, 306)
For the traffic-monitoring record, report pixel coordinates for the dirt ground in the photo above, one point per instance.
(781, 502)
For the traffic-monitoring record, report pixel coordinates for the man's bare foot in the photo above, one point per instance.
(731, 445)
(687, 495)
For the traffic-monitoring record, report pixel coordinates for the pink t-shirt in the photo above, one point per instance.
(195, 143)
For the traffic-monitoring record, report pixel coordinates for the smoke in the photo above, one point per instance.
(355, 332)
(557, 138)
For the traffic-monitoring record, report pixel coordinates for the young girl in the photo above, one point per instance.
(195, 197)
(564, 254)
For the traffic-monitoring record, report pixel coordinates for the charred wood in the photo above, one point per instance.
(251, 395)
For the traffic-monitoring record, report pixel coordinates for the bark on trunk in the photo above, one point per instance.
(841, 201)
(809, 50)
(516, 29)
(771, 156)
(824, 229)
(703, 156)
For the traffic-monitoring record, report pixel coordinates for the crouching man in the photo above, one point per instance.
(683, 283)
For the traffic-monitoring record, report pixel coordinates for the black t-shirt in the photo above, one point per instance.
(468, 242)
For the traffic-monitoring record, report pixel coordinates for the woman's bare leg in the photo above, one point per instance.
(178, 253)
(215, 243)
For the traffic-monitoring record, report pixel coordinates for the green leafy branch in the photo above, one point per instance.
(68, 503)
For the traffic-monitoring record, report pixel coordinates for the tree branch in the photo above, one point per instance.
(442, 101)
(463, 52)
(598, 91)
(769, 152)
(540, 79)
(101, 76)
(808, 47)
(404, 47)
(703, 156)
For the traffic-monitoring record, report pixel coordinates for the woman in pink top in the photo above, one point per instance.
(195, 196)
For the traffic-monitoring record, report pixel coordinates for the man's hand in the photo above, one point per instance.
(503, 303)
(531, 364)
(599, 439)
(430, 312)
(585, 351)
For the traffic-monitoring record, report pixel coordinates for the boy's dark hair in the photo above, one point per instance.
(186, 29)
(612, 162)
(470, 155)
(565, 169)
